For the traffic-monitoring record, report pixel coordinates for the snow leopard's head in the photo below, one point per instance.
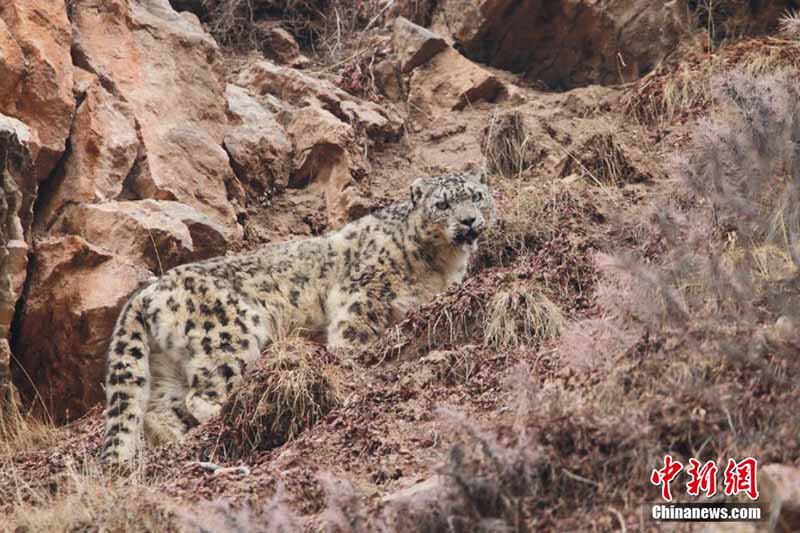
(455, 207)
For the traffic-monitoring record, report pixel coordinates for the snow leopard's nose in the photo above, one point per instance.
(468, 222)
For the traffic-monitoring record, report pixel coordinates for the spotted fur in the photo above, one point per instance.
(181, 343)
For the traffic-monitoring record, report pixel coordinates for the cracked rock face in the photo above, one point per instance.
(75, 292)
(36, 74)
(564, 44)
(19, 147)
(170, 73)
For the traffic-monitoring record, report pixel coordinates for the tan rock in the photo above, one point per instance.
(279, 45)
(19, 147)
(76, 293)
(780, 488)
(103, 150)
(42, 96)
(322, 144)
(564, 44)
(301, 90)
(259, 148)
(388, 81)
(12, 67)
(170, 72)
(415, 45)
(158, 234)
(450, 81)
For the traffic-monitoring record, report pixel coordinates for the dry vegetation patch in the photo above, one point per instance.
(499, 308)
(294, 384)
(680, 90)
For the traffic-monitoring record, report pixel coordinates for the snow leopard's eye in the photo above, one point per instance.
(441, 205)
(477, 196)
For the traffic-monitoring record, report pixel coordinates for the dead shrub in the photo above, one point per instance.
(287, 390)
(86, 502)
(485, 485)
(274, 517)
(790, 25)
(505, 144)
(241, 24)
(519, 315)
(493, 308)
(603, 160)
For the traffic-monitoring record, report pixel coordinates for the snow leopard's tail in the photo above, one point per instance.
(127, 383)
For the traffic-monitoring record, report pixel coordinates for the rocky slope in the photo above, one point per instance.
(130, 142)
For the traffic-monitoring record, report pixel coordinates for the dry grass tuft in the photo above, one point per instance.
(681, 91)
(531, 214)
(495, 308)
(86, 501)
(604, 160)
(790, 25)
(287, 390)
(519, 315)
(20, 432)
(505, 144)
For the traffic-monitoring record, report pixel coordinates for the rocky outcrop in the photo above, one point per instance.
(169, 71)
(135, 181)
(300, 89)
(449, 81)
(259, 148)
(564, 44)
(103, 148)
(75, 292)
(157, 234)
(19, 148)
(36, 74)
(326, 126)
(414, 45)
(324, 145)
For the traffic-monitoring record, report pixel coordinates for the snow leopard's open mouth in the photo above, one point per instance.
(467, 237)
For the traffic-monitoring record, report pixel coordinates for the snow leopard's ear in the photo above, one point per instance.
(417, 190)
(480, 175)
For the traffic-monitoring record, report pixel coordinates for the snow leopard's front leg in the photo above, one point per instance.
(357, 316)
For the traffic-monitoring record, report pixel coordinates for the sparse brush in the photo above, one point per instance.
(603, 160)
(287, 390)
(495, 309)
(790, 25)
(519, 315)
(274, 517)
(240, 24)
(505, 144)
(531, 214)
(87, 502)
(20, 432)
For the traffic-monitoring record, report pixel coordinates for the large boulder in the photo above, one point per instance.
(36, 73)
(450, 82)
(414, 45)
(159, 234)
(19, 148)
(564, 44)
(324, 145)
(170, 73)
(103, 150)
(300, 89)
(259, 148)
(75, 293)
